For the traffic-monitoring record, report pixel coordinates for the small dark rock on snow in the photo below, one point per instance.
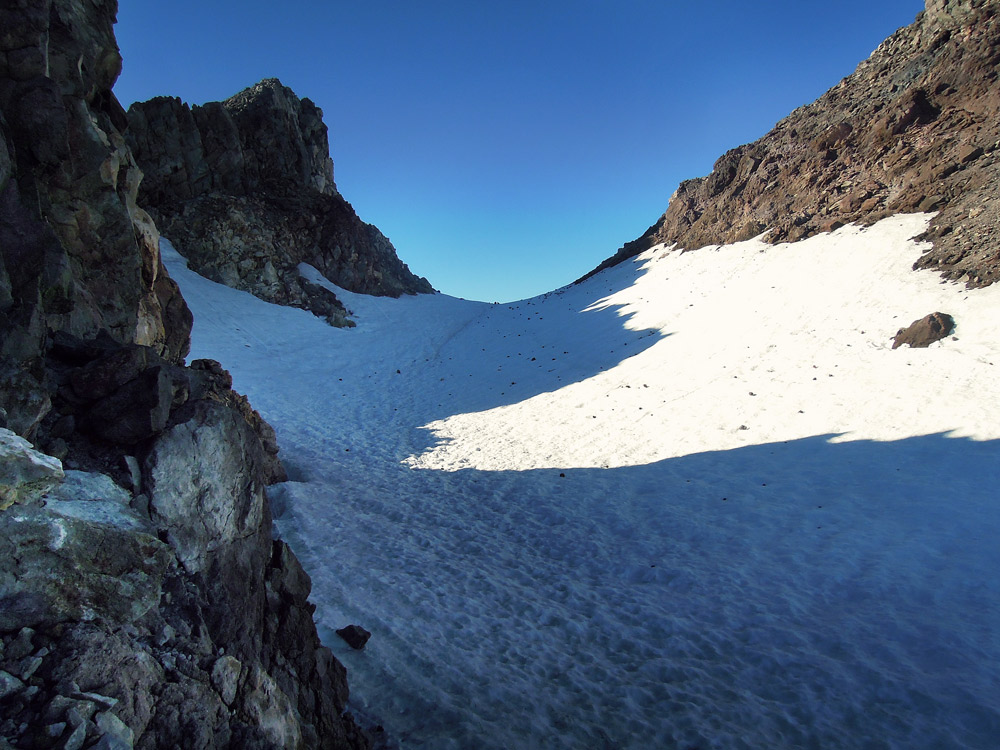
(355, 635)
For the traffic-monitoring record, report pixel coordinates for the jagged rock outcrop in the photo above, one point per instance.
(915, 128)
(143, 601)
(78, 254)
(109, 636)
(245, 189)
(145, 573)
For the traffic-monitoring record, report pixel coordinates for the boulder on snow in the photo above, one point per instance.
(924, 332)
(355, 635)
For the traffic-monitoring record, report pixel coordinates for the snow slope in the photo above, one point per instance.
(696, 501)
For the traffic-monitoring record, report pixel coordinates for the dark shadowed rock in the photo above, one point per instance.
(136, 411)
(245, 190)
(355, 635)
(161, 619)
(286, 577)
(76, 351)
(78, 254)
(104, 375)
(924, 332)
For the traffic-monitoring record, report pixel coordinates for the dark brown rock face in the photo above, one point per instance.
(915, 128)
(924, 332)
(245, 188)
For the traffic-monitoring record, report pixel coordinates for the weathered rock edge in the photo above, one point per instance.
(245, 190)
(143, 601)
(915, 128)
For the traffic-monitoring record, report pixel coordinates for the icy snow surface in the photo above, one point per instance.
(696, 501)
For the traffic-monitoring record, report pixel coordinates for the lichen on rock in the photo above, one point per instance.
(25, 474)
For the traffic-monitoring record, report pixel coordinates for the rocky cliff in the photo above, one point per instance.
(143, 601)
(915, 128)
(245, 189)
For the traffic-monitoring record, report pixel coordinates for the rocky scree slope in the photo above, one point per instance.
(915, 128)
(143, 601)
(245, 188)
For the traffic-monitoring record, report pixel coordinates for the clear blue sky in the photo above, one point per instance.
(508, 148)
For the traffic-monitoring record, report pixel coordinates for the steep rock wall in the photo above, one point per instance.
(78, 254)
(915, 128)
(143, 601)
(245, 188)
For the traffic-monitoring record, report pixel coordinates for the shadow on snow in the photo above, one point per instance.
(830, 590)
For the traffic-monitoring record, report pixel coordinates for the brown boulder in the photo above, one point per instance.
(924, 332)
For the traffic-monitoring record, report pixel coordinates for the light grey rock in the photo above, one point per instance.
(135, 473)
(77, 561)
(226, 677)
(76, 737)
(272, 710)
(28, 666)
(87, 485)
(80, 713)
(100, 511)
(9, 684)
(202, 479)
(56, 708)
(25, 474)
(103, 701)
(113, 727)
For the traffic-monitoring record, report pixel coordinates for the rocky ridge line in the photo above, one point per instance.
(143, 600)
(245, 188)
(915, 128)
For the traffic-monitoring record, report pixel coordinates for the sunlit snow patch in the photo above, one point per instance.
(761, 344)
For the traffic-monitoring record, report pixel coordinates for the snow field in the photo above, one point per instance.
(560, 536)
